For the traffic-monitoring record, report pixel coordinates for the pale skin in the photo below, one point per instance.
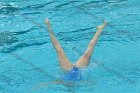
(64, 62)
(83, 61)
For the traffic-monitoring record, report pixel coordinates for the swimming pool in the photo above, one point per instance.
(28, 60)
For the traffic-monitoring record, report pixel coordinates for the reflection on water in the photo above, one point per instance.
(72, 87)
(7, 38)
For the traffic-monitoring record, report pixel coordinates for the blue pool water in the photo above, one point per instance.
(28, 61)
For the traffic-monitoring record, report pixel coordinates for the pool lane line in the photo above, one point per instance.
(32, 65)
(103, 66)
(117, 30)
(127, 34)
(122, 32)
(117, 74)
(27, 62)
(32, 21)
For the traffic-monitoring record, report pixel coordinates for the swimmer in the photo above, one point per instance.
(83, 61)
(71, 71)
